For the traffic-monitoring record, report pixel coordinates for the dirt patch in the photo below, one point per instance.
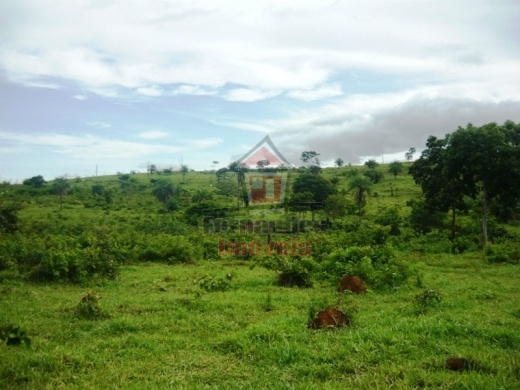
(459, 364)
(329, 318)
(352, 283)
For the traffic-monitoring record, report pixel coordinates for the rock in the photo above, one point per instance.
(329, 318)
(352, 283)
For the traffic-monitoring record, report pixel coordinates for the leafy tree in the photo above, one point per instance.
(59, 188)
(336, 206)
(390, 217)
(395, 168)
(318, 186)
(443, 188)
(361, 187)
(473, 161)
(310, 157)
(226, 186)
(371, 164)
(314, 169)
(35, 181)
(422, 219)
(163, 191)
(374, 175)
(301, 202)
(152, 169)
(339, 162)
(184, 170)
(488, 160)
(409, 155)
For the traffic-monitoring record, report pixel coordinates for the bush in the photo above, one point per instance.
(376, 266)
(292, 270)
(168, 249)
(210, 283)
(503, 253)
(426, 300)
(88, 307)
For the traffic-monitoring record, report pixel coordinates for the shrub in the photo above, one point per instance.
(88, 307)
(210, 283)
(427, 299)
(14, 335)
(292, 270)
(503, 253)
(378, 266)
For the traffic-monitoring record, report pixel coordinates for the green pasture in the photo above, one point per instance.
(159, 329)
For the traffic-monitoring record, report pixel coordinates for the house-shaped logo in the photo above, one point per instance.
(264, 151)
(264, 187)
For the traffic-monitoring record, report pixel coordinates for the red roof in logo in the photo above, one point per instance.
(262, 154)
(264, 150)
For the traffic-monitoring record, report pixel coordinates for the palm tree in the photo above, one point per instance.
(163, 191)
(240, 170)
(60, 187)
(360, 186)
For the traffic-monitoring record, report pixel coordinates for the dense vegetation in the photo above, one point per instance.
(440, 284)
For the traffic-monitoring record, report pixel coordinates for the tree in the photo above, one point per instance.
(488, 160)
(442, 187)
(152, 169)
(314, 169)
(240, 171)
(374, 175)
(409, 155)
(336, 206)
(395, 168)
(301, 202)
(35, 181)
(184, 170)
(59, 188)
(371, 164)
(98, 189)
(318, 186)
(360, 186)
(473, 161)
(310, 157)
(338, 162)
(163, 191)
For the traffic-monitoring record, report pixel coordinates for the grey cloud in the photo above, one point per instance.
(398, 130)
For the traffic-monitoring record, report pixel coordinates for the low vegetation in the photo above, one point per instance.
(358, 280)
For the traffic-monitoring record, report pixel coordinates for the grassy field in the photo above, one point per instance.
(156, 328)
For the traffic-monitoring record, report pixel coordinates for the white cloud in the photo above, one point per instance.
(80, 97)
(205, 143)
(99, 124)
(248, 95)
(322, 92)
(153, 134)
(88, 146)
(264, 46)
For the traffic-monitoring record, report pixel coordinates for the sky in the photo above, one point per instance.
(107, 86)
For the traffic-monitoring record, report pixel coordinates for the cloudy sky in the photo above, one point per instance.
(118, 84)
